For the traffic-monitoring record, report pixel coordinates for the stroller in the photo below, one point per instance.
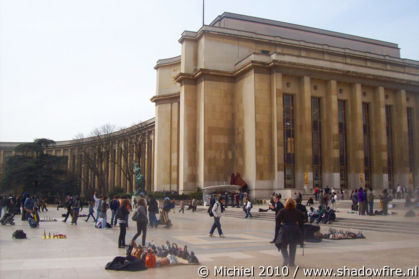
(8, 218)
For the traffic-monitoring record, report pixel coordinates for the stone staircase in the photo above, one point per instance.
(340, 223)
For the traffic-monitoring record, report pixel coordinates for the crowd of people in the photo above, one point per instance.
(289, 217)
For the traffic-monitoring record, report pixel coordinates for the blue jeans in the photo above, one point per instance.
(371, 205)
(248, 212)
(152, 218)
(113, 219)
(217, 225)
(104, 221)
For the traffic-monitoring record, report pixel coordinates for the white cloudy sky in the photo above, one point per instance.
(67, 67)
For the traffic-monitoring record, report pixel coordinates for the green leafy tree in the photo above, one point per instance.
(33, 170)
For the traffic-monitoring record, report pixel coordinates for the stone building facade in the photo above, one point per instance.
(105, 160)
(288, 107)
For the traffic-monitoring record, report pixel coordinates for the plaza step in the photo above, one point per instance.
(341, 222)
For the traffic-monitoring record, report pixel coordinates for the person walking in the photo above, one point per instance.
(77, 206)
(182, 206)
(290, 234)
(114, 207)
(217, 210)
(68, 205)
(153, 209)
(91, 212)
(121, 217)
(248, 207)
(140, 216)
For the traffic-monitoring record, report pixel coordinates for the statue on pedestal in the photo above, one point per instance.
(139, 180)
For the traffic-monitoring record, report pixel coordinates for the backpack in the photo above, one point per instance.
(210, 211)
(19, 234)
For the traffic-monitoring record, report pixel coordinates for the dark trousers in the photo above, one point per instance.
(88, 216)
(289, 258)
(217, 225)
(141, 228)
(75, 216)
(67, 214)
(122, 233)
(277, 227)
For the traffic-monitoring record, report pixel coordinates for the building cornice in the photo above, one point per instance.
(286, 61)
(298, 27)
(165, 98)
(167, 62)
(299, 44)
(144, 126)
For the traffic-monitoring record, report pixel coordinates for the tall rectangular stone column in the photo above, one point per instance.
(187, 137)
(111, 175)
(401, 143)
(263, 133)
(118, 166)
(330, 138)
(356, 138)
(277, 127)
(415, 174)
(304, 146)
(378, 141)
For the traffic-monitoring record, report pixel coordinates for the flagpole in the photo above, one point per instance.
(203, 12)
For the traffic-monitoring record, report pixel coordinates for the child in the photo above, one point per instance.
(91, 211)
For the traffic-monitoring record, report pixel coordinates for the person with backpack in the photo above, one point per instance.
(140, 216)
(121, 217)
(215, 211)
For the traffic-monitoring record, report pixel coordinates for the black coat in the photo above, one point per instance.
(291, 229)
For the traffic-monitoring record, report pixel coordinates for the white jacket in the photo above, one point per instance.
(249, 204)
(216, 209)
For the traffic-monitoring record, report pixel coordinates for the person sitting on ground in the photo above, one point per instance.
(321, 212)
(328, 216)
(313, 214)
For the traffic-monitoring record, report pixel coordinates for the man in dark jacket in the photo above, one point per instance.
(153, 209)
(114, 207)
(276, 206)
(68, 205)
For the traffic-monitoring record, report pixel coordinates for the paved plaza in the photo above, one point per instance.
(86, 250)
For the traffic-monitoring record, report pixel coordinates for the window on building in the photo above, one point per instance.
(342, 144)
(367, 144)
(389, 135)
(411, 143)
(316, 135)
(289, 151)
